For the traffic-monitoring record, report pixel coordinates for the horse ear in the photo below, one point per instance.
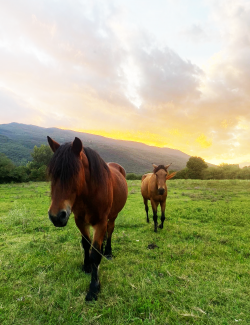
(155, 166)
(77, 146)
(166, 167)
(53, 144)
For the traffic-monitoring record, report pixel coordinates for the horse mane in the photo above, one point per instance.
(169, 176)
(160, 167)
(97, 166)
(65, 166)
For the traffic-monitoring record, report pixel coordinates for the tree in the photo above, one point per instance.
(182, 174)
(38, 166)
(244, 173)
(195, 166)
(6, 169)
(20, 174)
(41, 156)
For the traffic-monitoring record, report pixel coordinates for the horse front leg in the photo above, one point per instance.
(154, 208)
(95, 260)
(163, 206)
(86, 243)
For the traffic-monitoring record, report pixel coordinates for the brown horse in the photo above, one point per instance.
(82, 183)
(154, 188)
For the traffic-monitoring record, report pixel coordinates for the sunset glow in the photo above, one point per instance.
(175, 74)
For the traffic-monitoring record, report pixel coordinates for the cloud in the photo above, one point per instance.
(195, 33)
(14, 108)
(84, 65)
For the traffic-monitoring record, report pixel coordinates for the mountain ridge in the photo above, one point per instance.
(17, 141)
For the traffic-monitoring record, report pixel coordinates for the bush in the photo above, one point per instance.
(132, 176)
(38, 175)
(182, 174)
(6, 169)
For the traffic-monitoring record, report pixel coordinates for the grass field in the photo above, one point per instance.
(198, 274)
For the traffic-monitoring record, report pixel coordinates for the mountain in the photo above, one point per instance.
(18, 140)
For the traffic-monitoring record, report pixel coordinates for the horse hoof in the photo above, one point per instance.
(147, 221)
(86, 269)
(161, 226)
(108, 257)
(155, 230)
(91, 296)
(93, 292)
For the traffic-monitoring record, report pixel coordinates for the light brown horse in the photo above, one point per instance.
(82, 183)
(154, 188)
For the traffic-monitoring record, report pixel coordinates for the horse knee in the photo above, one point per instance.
(85, 243)
(95, 255)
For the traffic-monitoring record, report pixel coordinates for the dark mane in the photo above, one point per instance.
(64, 165)
(160, 167)
(97, 166)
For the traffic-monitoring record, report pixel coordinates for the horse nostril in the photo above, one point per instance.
(62, 215)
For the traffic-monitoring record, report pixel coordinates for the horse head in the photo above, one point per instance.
(67, 174)
(161, 173)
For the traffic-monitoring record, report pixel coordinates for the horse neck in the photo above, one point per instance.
(153, 183)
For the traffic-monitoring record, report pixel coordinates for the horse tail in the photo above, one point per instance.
(171, 175)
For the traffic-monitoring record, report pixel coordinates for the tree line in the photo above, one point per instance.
(197, 168)
(36, 170)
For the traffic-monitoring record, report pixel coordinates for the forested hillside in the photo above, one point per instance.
(18, 140)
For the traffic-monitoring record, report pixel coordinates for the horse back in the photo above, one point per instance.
(118, 167)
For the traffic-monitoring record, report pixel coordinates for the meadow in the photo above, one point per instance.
(194, 271)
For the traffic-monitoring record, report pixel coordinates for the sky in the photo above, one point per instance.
(169, 73)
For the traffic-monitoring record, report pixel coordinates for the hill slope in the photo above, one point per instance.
(18, 140)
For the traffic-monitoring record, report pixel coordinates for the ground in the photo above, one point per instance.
(195, 271)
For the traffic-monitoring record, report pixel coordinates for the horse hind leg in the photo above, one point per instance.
(108, 248)
(146, 208)
(95, 260)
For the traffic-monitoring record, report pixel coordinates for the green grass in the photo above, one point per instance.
(199, 274)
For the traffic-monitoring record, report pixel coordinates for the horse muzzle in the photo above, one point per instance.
(61, 219)
(161, 191)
